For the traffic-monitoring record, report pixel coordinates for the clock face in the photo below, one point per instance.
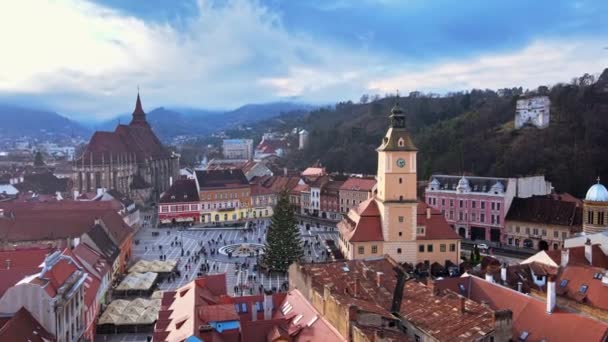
(400, 162)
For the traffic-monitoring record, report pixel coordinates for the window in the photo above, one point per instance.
(361, 250)
(482, 218)
(460, 216)
(460, 203)
(398, 250)
(417, 338)
(244, 307)
(452, 247)
(259, 306)
(492, 205)
(420, 230)
(528, 230)
(534, 231)
(451, 215)
(497, 219)
(590, 217)
(421, 248)
(164, 209)
(564, 235)
(400, 233)
(598, 275)
(473, 217)
(451, 203)
(483, 205)
(400, 219)
(400, 181)
(429, 248)
(473, 204)
(544, 232)
(443, 201)
(374, 249)
(517, 229)
(442, 248)
(497, 206)
(583, 289)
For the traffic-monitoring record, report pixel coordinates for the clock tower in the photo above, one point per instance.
(396, 198)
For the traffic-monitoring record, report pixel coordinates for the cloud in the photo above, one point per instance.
(540, 63)
(86, 60)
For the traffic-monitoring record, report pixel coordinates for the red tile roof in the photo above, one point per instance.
(546, 209)
(182, 190)
(60, 220)
(436, 227)
(23, 327)
(217, 313)
(529, 313)
(363, 223)
(23, 262)
(356, 283)
(358, 184)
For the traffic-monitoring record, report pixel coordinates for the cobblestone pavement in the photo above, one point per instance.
(239, 271)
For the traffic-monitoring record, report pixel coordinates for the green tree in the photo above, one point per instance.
(283, 242)
(38, 160)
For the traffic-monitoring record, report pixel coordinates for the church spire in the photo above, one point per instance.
(139, 116)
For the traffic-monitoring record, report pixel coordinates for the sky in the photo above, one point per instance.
(87, 59)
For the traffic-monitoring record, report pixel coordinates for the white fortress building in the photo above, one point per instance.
(533, 111)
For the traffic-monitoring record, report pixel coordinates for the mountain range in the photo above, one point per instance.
(166, 122)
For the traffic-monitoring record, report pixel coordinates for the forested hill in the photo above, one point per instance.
(471, 132)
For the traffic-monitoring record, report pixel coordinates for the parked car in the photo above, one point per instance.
(482, 246)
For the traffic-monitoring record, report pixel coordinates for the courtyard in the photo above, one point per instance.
(233, 251)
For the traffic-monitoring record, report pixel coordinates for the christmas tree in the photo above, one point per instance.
(283, 241)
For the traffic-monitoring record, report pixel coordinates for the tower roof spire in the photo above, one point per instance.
(139, 116)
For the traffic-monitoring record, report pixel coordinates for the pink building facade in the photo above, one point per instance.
(476, 207)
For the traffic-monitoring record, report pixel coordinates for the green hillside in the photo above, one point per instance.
(469, 132)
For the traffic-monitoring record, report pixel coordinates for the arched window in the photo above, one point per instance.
(400, 180)
(401, 142)
(217, 218)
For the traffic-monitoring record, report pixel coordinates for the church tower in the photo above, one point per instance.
(139, 116)
(396, 198)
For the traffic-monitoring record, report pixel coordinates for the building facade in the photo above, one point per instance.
(475, 207)
(354, 191)
(55, 297)
(225, 195)
(237, 149)
(533, 111)
(180, 204)
(542, 222)
(131, 160)
(394, 222)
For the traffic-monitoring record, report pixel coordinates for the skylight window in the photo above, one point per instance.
(563, 283)
(286, 309)
(462, 288)
(297, 319)
(312, 321)
(583, 289)
(524, 335)
(597, 275)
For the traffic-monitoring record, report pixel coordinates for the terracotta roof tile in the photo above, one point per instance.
(358, 184)
(363, 223)
(182, 190)
(23, 327)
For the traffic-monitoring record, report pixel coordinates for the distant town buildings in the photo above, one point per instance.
(534, 111)
(475, 207)
(237, 149)
(393, 222)
(131, 160)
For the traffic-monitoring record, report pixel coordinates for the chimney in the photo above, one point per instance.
(268, 305)
(503, 325)
(97, 221)
(503, 273)
(76, 194)
(428, 213)
(284, 171)
(489, 277)
(398, 294)
(551, 300)
(565, 257)
(171, 181)
(379, 278)
(520, 286)
(588, 251)
(463, 305)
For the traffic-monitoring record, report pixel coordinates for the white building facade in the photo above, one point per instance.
(238, 149)
(533, 111)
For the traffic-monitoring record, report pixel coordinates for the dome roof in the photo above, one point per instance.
(597, 193)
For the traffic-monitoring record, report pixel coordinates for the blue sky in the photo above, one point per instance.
(85, 59)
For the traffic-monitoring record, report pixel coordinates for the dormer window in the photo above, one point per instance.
(401, 143)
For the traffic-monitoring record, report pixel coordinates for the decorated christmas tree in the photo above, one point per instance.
(283, 241)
